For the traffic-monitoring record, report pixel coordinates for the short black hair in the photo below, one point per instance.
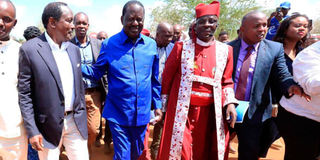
(31, 32)
(125, 7)
(53, 10)
(76, 15)
(250, 14)
(223, 33)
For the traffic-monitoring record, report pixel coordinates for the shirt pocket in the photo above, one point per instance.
(121, 68)
(147, 69)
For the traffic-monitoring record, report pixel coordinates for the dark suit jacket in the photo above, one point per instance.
(41, 96)
(270, 66)
(95, 47)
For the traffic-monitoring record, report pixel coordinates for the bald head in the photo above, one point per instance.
(102, 35)
(163, 27)
(8, 4)
(253, 27)
(177, 30)
(93, 35)
(80, 15)
(252, 16)
(164, 34)
(177, 27)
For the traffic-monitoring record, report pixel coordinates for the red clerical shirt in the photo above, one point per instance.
(204, 65)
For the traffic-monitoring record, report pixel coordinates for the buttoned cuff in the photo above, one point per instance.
(229, 97)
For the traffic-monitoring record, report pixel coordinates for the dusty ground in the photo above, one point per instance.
(276, 151)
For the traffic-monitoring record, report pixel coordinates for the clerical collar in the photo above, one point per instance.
(205, 44)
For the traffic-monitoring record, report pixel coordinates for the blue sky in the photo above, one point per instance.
(104, 15)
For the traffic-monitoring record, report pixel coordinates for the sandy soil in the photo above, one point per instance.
(276, 151)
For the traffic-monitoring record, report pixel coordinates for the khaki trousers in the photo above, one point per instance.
(14, 148)
(93, 104)
(71, 139)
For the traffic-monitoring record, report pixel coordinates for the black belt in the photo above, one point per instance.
(67, 113)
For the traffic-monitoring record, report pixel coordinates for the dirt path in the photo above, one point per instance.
(276, 151)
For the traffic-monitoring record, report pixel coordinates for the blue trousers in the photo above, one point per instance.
(127, 141)
(32, 154)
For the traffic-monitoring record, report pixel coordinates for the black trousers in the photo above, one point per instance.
(300, 134)
(255, 137)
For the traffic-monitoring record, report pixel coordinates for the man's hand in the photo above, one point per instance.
(158, 113)
(274, 110)
(36, 142)
(231, 114)
(297, 90)
(271, 16)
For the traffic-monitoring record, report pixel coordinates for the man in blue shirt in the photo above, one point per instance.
(274, 25)
(95, 90)
(280, 14)
(132, 66)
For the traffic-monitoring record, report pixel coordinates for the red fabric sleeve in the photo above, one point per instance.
(227, 75)
(171, 68)
(227, 82)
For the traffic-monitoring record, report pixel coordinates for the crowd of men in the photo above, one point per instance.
(56, 87)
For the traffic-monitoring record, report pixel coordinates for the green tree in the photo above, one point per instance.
(183, 12)
(316, 26)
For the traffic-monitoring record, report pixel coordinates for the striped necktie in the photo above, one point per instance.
(243, 77)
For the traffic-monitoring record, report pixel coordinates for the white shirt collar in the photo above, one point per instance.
(205, 44)
(78, 43)
(54, 46)
(6, 45)
(244, 45)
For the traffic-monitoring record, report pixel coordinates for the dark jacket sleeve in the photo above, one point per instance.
(25, 94)
(281, 72)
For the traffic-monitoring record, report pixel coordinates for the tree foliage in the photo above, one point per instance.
(183, 12)
(316, 26)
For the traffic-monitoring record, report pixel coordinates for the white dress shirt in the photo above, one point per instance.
(10, 115)
(65, 71)
(306, 71)
(164, 53)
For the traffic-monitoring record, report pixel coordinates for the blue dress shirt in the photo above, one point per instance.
(274, 25)
(132, 71)
(87, 58)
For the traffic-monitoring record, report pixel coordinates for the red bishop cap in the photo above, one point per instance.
(145, 32)
(208, 9)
